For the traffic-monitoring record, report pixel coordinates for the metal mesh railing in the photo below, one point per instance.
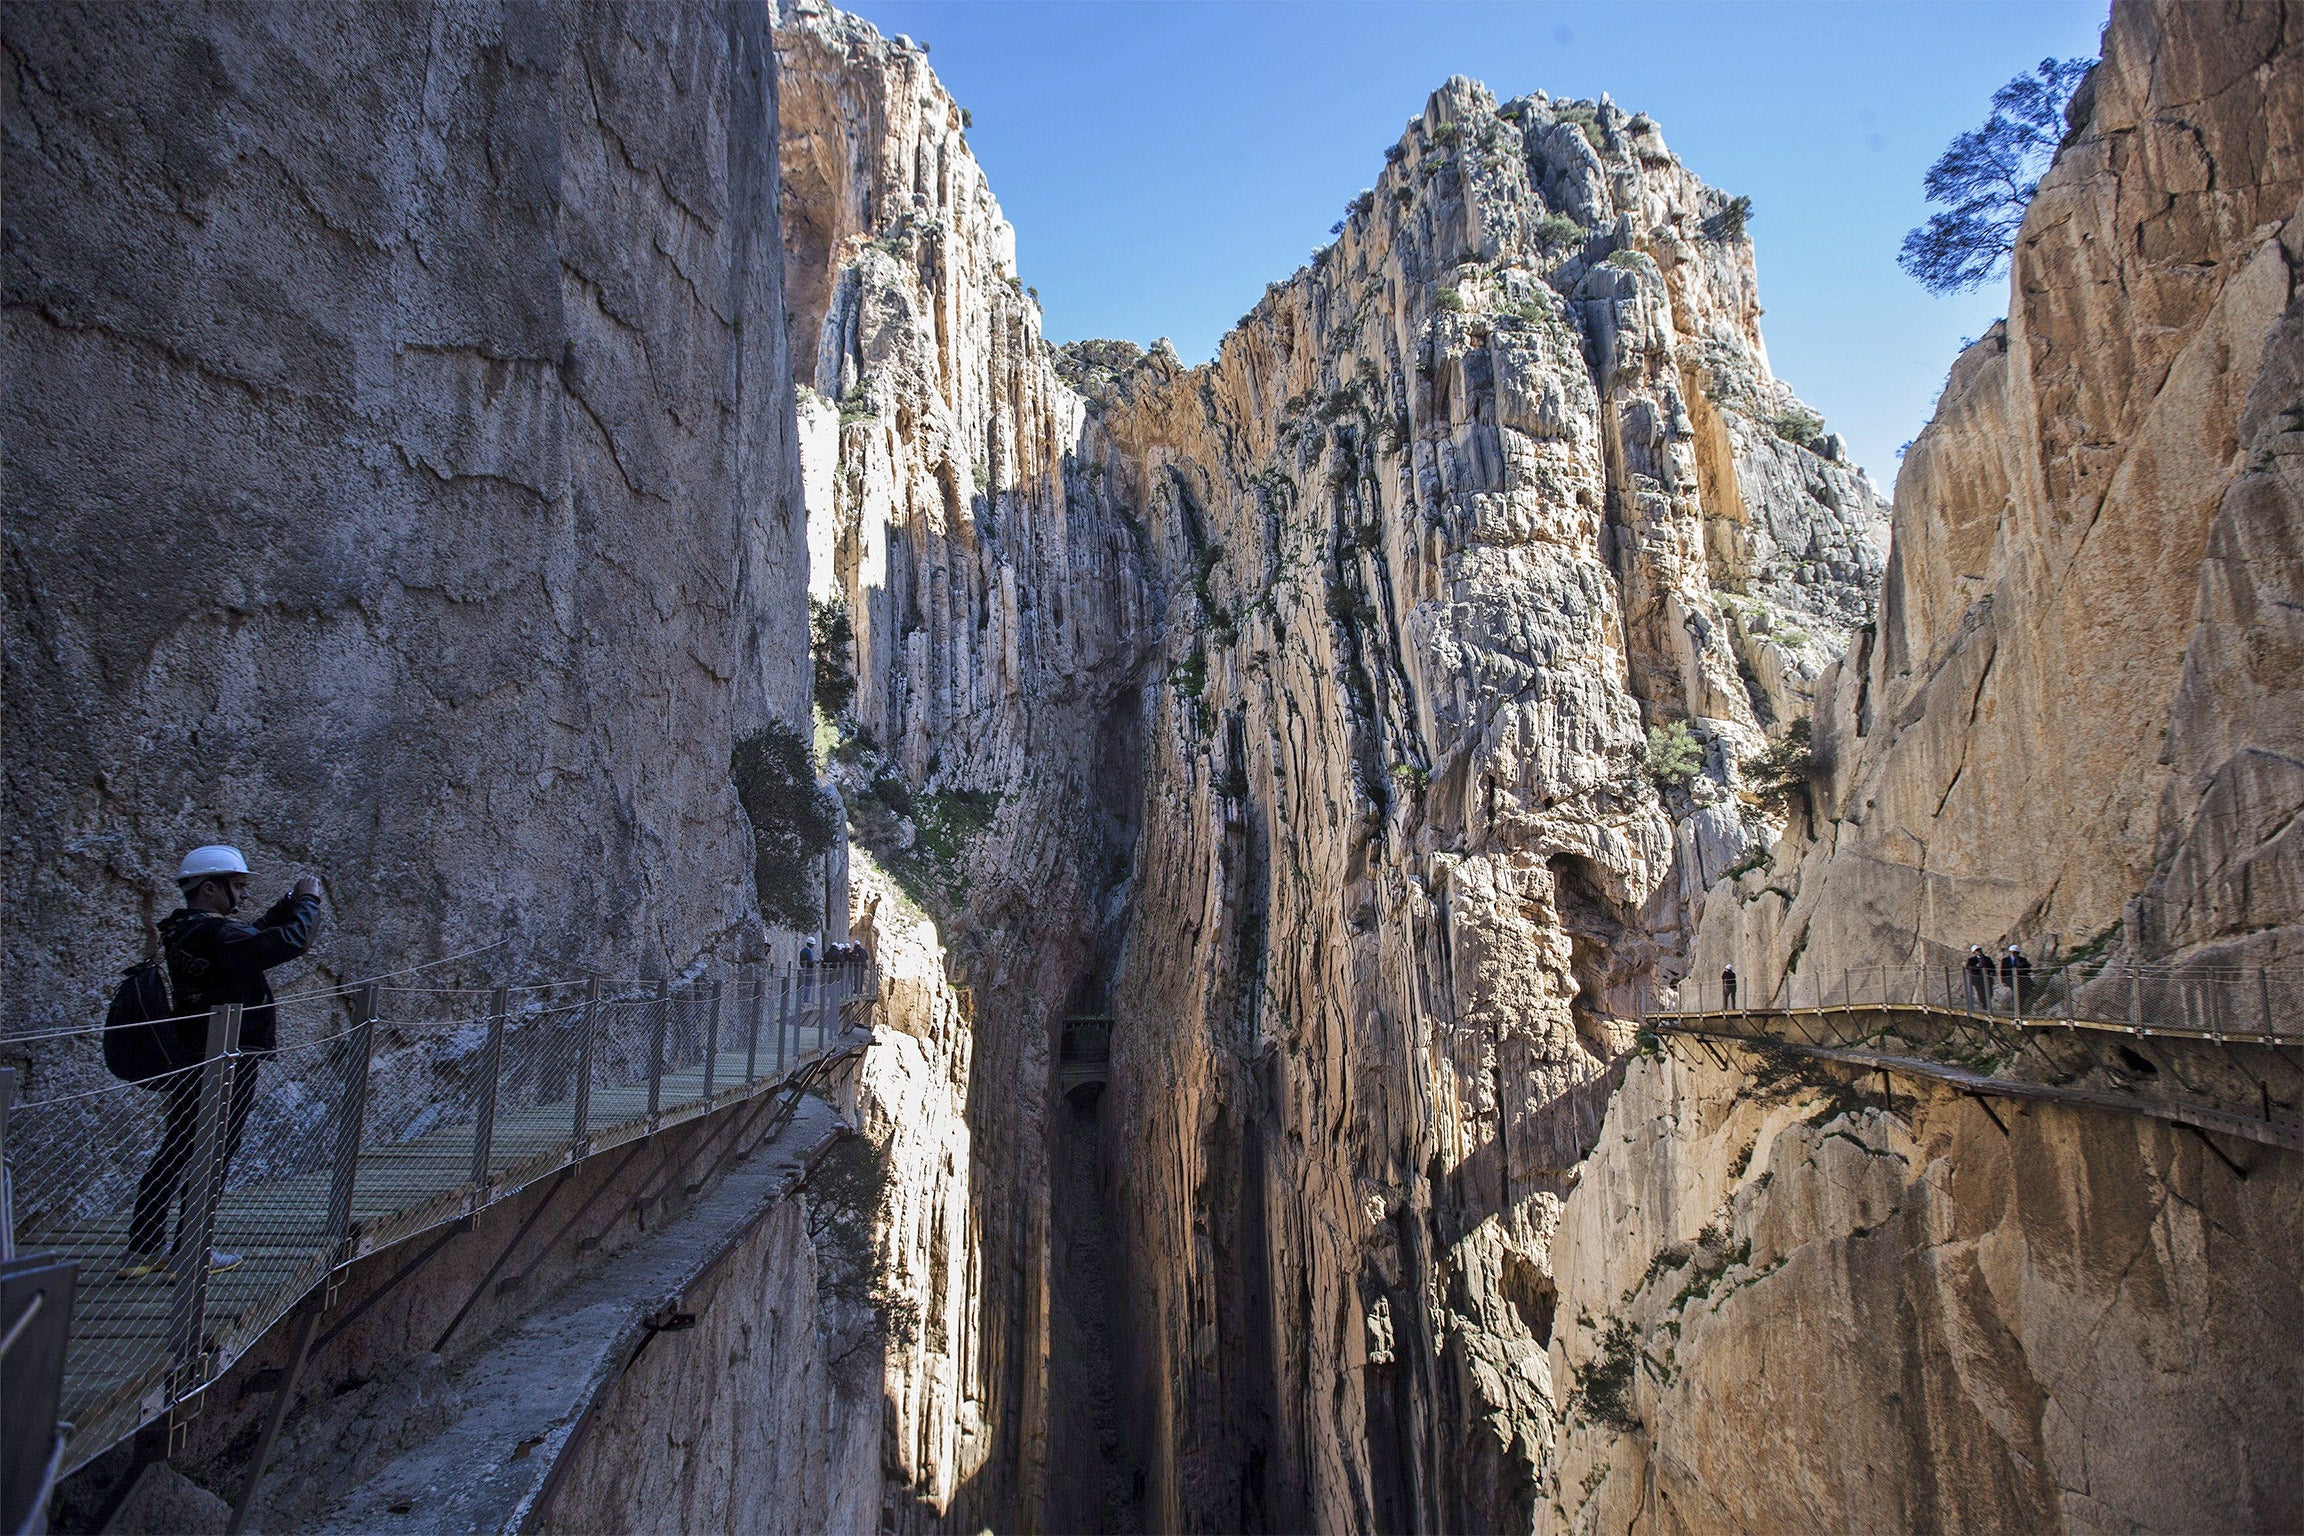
(202, 1208)
(2215, 1001)
(2212, 1049)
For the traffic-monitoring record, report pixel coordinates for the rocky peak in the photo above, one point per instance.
(1493, 486)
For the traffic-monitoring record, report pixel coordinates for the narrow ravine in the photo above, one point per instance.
(1096, 1476)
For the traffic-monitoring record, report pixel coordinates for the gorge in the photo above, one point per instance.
(1366, 733)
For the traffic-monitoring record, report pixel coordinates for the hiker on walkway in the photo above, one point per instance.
(213, 960)
(1979, 969)
(2016, 976)
(1728, 987)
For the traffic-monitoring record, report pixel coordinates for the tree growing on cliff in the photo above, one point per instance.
(831, 647)
(793, 823)
(1986, 177)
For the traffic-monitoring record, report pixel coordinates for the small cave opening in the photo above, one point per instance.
(1532, 1295)
(1596, 926)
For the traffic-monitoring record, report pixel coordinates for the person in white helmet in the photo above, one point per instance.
(212, 960)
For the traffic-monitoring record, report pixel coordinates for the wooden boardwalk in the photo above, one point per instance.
(120, 1362)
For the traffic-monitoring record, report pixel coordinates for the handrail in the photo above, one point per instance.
(2220, 1080)
(299, 1161)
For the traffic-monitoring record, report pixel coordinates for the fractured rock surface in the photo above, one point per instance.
(404, 491)
(1292, 711)
(2079, 725)
(1784, 1303)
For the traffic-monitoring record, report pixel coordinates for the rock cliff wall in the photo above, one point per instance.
(1292, 711)
(2078, 727)
(1788, 1302)
(1461, 510)
(998, 618)
(406, 491)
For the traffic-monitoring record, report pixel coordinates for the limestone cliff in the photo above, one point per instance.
(1794, 1299)
(1797, 1304)
(1499, 481)
(406, 491)
(1294, 712)
(2078, 726)
(997, 611)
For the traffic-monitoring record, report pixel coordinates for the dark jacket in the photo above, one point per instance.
(212, 960)
(2013, 967)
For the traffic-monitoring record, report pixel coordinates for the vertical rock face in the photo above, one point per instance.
(999, 615)
(2079, 724)
(405, 491)
(1788, 1304)
(1458, 510)
(1363, 626)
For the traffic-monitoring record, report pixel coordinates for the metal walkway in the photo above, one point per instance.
(546, 1087)
(2245, 1082)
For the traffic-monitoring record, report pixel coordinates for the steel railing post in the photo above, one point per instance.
(783, 1017)
(2135, 997)
(752, 1026)
(656, 1052)
(201, 1182)
(484, 1116)
(7, 1187)
(352, 1119)
(585, 1046)
(2264, 996)
(711, 1039)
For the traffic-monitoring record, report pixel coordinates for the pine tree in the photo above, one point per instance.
(1986, 178)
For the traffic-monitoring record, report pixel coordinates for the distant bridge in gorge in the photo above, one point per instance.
(1084, 1054)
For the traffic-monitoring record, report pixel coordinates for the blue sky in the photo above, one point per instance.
(1162, 160)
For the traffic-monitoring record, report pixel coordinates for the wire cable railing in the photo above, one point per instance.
(2212, 1001)
(202, 1208)
(2214, 1048)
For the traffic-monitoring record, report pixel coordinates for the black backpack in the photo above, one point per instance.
(143, 1040)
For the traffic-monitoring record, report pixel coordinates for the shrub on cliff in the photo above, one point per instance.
(1555, 231)
(1786, 765)
(1674, 756)
(1797, 426)
(793, 823)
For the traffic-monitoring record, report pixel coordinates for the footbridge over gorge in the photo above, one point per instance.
(395, 1116)
(1084, 1054)
(2217, 1050)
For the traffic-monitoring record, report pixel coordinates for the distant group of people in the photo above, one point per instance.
(834, 954)
(2014, 973)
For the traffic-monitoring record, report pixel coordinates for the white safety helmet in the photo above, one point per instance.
(215, 859)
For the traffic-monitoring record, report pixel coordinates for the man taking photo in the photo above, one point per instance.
(214, 960)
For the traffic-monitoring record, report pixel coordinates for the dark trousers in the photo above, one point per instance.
(179, 1136)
